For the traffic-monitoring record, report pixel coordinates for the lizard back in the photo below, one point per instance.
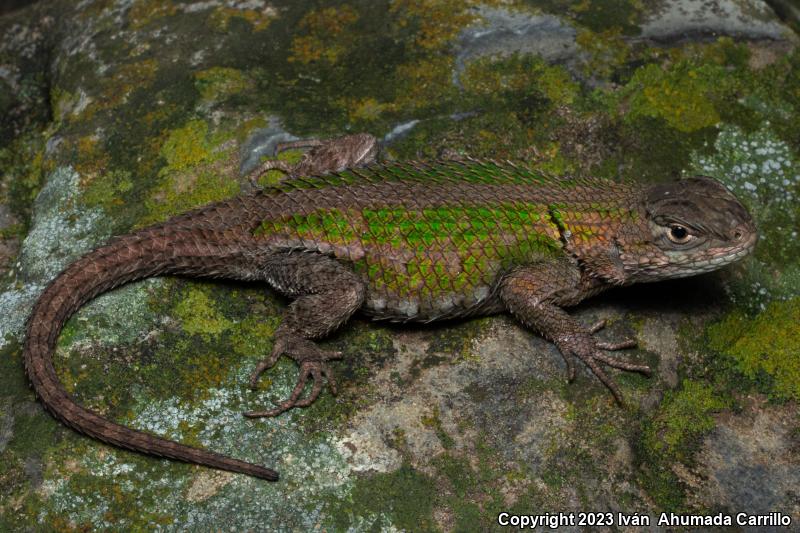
(430, 240)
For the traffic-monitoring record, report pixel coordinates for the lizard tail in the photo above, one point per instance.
(148, 252)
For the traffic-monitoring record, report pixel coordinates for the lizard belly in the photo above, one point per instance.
(423, 306)
(430, 284)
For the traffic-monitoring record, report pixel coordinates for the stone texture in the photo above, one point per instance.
(115, 115)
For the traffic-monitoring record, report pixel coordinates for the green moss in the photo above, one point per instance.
(473, 502)
(471, 488)
(203, 358)
(323, 35)
(424, 85)
(672, 436)
(597, 15)
(333, 45)
(217, 83)
(436, 22)
(259, 19)
(406, 496)
(679, 95)
(607, 51)
(656, 150)
(187, 146)
(684, 416)
(24, 168)
(122, 501)
(197, 171)
(254, 335)
(143, 12)
(13, 381)
(517, 79)
(764, 348)
(457, 338)
(199, 316)
(132, 149)
(274, 177)
(602, 15)
(524, 95)
(106, 191)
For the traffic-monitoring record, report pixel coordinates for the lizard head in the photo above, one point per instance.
(694, 225)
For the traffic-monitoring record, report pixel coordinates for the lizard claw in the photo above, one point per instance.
(589, 351)
(313, 364)
(263, 366)
(611, 346)
(318, 371)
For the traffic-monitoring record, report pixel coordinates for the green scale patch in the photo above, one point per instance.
(430, 258)
(424, 254)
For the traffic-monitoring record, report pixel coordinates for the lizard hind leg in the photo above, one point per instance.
(323, 156)
(326, 294)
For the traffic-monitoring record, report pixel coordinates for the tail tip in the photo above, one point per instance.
(265, 473)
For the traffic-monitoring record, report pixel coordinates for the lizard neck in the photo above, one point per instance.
(597, 234)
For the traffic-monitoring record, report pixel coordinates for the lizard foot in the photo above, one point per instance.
(287, 168)
(313, 364)
(323, 156)
(585, 348)
(265, 167)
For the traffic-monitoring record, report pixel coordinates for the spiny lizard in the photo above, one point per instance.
(415, 241)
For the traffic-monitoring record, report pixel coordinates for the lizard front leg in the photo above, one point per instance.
(535, 294)
(324, 156)
(326, 294)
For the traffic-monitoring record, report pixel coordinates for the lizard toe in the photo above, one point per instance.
(605, 379)
(319, 372)
(597, 326)
(614, 346)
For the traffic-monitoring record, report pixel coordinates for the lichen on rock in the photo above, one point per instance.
(118, 114)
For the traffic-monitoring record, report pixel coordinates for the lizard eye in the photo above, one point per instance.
(679, 234)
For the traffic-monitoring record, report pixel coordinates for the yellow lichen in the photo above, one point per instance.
(423, 82)
(258, 19)
(218, 82)
(438, 22)
(199, 315)
(187, 146)
(363, 110)
(767, 345)
(607, 50)
(199, 170)
(142, 12)
(324, 35)
(679, 95)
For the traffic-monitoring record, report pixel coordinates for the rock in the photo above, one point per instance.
(116, 115)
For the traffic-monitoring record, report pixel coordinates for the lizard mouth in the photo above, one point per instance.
(715, 258)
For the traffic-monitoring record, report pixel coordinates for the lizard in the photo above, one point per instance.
(409, 241)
